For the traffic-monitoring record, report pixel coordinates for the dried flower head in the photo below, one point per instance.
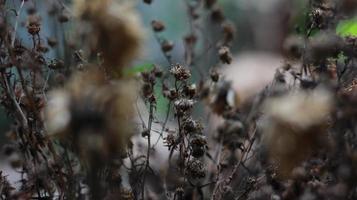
(180, 72)
(33, 24)
(157, 25)
(225, 55)
(167, 46)
(198, 144)
(183, 106)
(196, 169)
(116, 31)
(295, 126)
(92, 113)
(222, 97)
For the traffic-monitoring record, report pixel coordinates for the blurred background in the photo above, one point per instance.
(261, 27)
(261, 30)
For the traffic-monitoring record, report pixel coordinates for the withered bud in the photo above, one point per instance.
(19, 49)
(33, 24)
(209, 3)
(157, 25)
(147, 90)
(148, 77)
(170, 140)
(321, 16)
(217, 14)
(42, 48)
(231, 127)
(225, 55)
(190, 39)
(191, 126)
(52, 42)
(157, 72)
(31, 10)
(63, 18)
(196, 169)
(170, 94)
(198, 145)
(183, 105)
(214, 75)
(190, 90)
(228, 32)
(180, 72)
(167, 46)
(145, 133)
(152, 99)
(223, 97)
(39, 59)
(56, 64)
(147, 1)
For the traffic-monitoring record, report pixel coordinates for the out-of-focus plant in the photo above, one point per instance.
(85, 126)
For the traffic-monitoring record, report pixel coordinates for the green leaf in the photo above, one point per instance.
(138, 69)
(347, 28)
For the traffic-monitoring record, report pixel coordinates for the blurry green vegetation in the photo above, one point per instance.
(138, 69)
(347, 27)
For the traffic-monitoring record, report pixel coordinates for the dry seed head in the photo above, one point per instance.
(83, 8)
(167, 46)
(157, 25)
(116, 31)
(225, 55)
(148, 1)
(180, 72)
(196, 169)
(94, 114)
(295, 126)
(33, 24)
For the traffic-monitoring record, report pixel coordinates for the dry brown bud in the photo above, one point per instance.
(157, 25)
(225, 55)
(63, 18)
(217, 15)
(167, 46)
(147, 1)
(33, 24)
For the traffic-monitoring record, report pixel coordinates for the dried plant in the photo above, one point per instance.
(82, 127)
